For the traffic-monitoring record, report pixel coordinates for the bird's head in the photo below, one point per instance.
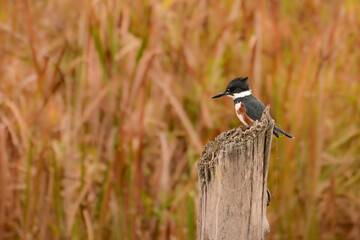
(239, 87)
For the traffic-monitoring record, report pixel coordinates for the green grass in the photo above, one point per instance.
(105, 108)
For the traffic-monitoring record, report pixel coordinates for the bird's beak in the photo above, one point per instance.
(220, 94)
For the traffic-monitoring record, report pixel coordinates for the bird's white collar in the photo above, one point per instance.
(241, 95)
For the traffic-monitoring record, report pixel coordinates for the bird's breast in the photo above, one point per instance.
(241, 114)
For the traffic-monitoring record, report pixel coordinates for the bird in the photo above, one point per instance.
(247, 107)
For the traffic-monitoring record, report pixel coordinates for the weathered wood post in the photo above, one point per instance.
(233, 174)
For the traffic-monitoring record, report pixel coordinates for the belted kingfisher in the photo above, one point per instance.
(247, 107)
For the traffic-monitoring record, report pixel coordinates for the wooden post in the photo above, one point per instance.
(233, 174)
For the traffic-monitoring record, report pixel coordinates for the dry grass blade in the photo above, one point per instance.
(24, 130)
(75, 207)
(167, 152)
(3, 178)
(180, 112)
(95, 103)
(88, 224)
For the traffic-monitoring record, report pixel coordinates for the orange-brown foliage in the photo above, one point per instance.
(105, 108)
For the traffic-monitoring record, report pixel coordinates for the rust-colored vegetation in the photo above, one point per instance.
(105, 108)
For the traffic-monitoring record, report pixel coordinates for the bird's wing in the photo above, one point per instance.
(254, 107)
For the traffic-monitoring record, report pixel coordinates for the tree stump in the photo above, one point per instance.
(233, 172)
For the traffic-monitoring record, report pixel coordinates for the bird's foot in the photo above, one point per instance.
(268, 197)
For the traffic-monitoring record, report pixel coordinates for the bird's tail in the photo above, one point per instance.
(278, 130)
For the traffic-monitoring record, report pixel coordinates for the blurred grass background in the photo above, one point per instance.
(105, 108)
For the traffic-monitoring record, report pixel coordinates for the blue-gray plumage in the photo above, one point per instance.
(239, 90)
(254, 108)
